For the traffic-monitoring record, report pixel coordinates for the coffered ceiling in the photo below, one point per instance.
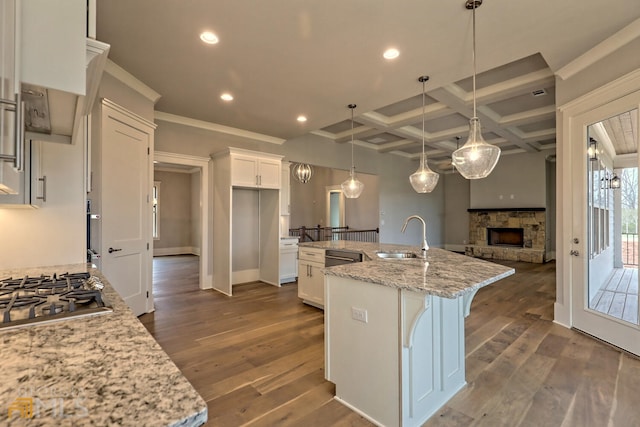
(282, 59)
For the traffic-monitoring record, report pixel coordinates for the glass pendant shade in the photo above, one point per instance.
(352, 188)
(475, 159)
(424, 180)
(302, 172)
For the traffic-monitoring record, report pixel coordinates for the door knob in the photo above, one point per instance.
(111, 250)
(574, 253)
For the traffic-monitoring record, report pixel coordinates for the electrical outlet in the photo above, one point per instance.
(359, 314)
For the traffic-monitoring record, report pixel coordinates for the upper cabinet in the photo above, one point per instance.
(10, 148)
(285, 189)
(253, 169)
(53, 44)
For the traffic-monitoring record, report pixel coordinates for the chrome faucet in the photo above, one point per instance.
(425, 246)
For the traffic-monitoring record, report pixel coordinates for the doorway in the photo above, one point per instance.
(335, 207)
(605, 275)
(200, 165)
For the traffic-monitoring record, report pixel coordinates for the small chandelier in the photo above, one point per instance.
(352, 187)
(424, 180)
(302, 172)
(475, 159)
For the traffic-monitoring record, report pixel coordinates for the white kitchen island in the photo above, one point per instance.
(394, 330)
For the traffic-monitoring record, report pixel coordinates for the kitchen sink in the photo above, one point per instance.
(396, 254)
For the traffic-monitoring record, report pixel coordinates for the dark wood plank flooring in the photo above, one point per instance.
(257, 357)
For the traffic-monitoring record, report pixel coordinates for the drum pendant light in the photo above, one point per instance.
(352, 187)
(424, 180)
(302, 172)
(475, 159)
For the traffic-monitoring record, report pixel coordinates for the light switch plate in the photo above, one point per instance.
(359, 314)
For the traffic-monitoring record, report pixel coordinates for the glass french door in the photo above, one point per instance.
(605, 223)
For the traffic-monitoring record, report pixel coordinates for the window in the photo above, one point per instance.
(600, 206)
(156, 210)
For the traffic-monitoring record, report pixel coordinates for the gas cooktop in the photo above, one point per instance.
(44, 298)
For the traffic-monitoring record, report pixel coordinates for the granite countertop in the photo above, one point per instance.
(444, 273)
(97, 370)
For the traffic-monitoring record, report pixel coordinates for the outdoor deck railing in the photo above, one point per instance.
(318, 233)
(630, 249)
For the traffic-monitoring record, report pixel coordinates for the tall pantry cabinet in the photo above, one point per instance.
(243, 176)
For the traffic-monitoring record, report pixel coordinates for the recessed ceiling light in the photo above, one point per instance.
(226, 97)
(302, 119)
(209, 38)
(391, 53)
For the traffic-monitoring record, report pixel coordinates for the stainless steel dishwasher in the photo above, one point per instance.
(339, 257)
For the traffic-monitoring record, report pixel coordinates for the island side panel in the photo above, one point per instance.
(362, 358)
(432, 354)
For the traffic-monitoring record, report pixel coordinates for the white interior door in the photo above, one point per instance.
(125, 209)
(604, 300)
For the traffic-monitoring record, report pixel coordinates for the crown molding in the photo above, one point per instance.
(602, 49)
(131, 81)
(215, 127)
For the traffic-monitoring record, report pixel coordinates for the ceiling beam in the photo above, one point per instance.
(451, 96)
(529, 116)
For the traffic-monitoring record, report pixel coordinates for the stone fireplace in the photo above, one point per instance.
(501, 236)
(517, 234)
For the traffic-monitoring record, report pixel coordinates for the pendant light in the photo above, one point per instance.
(302, 172)
(352, 187)
(475, 159)
(424, 180)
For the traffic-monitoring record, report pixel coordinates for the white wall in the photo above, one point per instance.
(195, 212)
(456, 204)
(175, 212)
(245, 230)
(309, 201)
(518, 181)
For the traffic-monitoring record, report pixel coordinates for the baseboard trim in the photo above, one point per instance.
(454, 248)
(245, 276)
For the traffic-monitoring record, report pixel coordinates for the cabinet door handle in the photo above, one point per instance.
(18, 162)
(111, 250)
(43, 180)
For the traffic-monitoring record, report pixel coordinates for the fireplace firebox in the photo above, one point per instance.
(511, 237)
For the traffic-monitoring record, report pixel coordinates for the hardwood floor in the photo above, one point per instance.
(257, 357)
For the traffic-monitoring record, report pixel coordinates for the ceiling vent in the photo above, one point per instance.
(539, 92)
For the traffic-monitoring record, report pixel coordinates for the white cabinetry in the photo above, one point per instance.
(310, 276)
(32, 184)
(53, 44)
(254, 170)
(288, 259)
(43, 44)
(235, 173)
(285, 189)
(10, 179)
